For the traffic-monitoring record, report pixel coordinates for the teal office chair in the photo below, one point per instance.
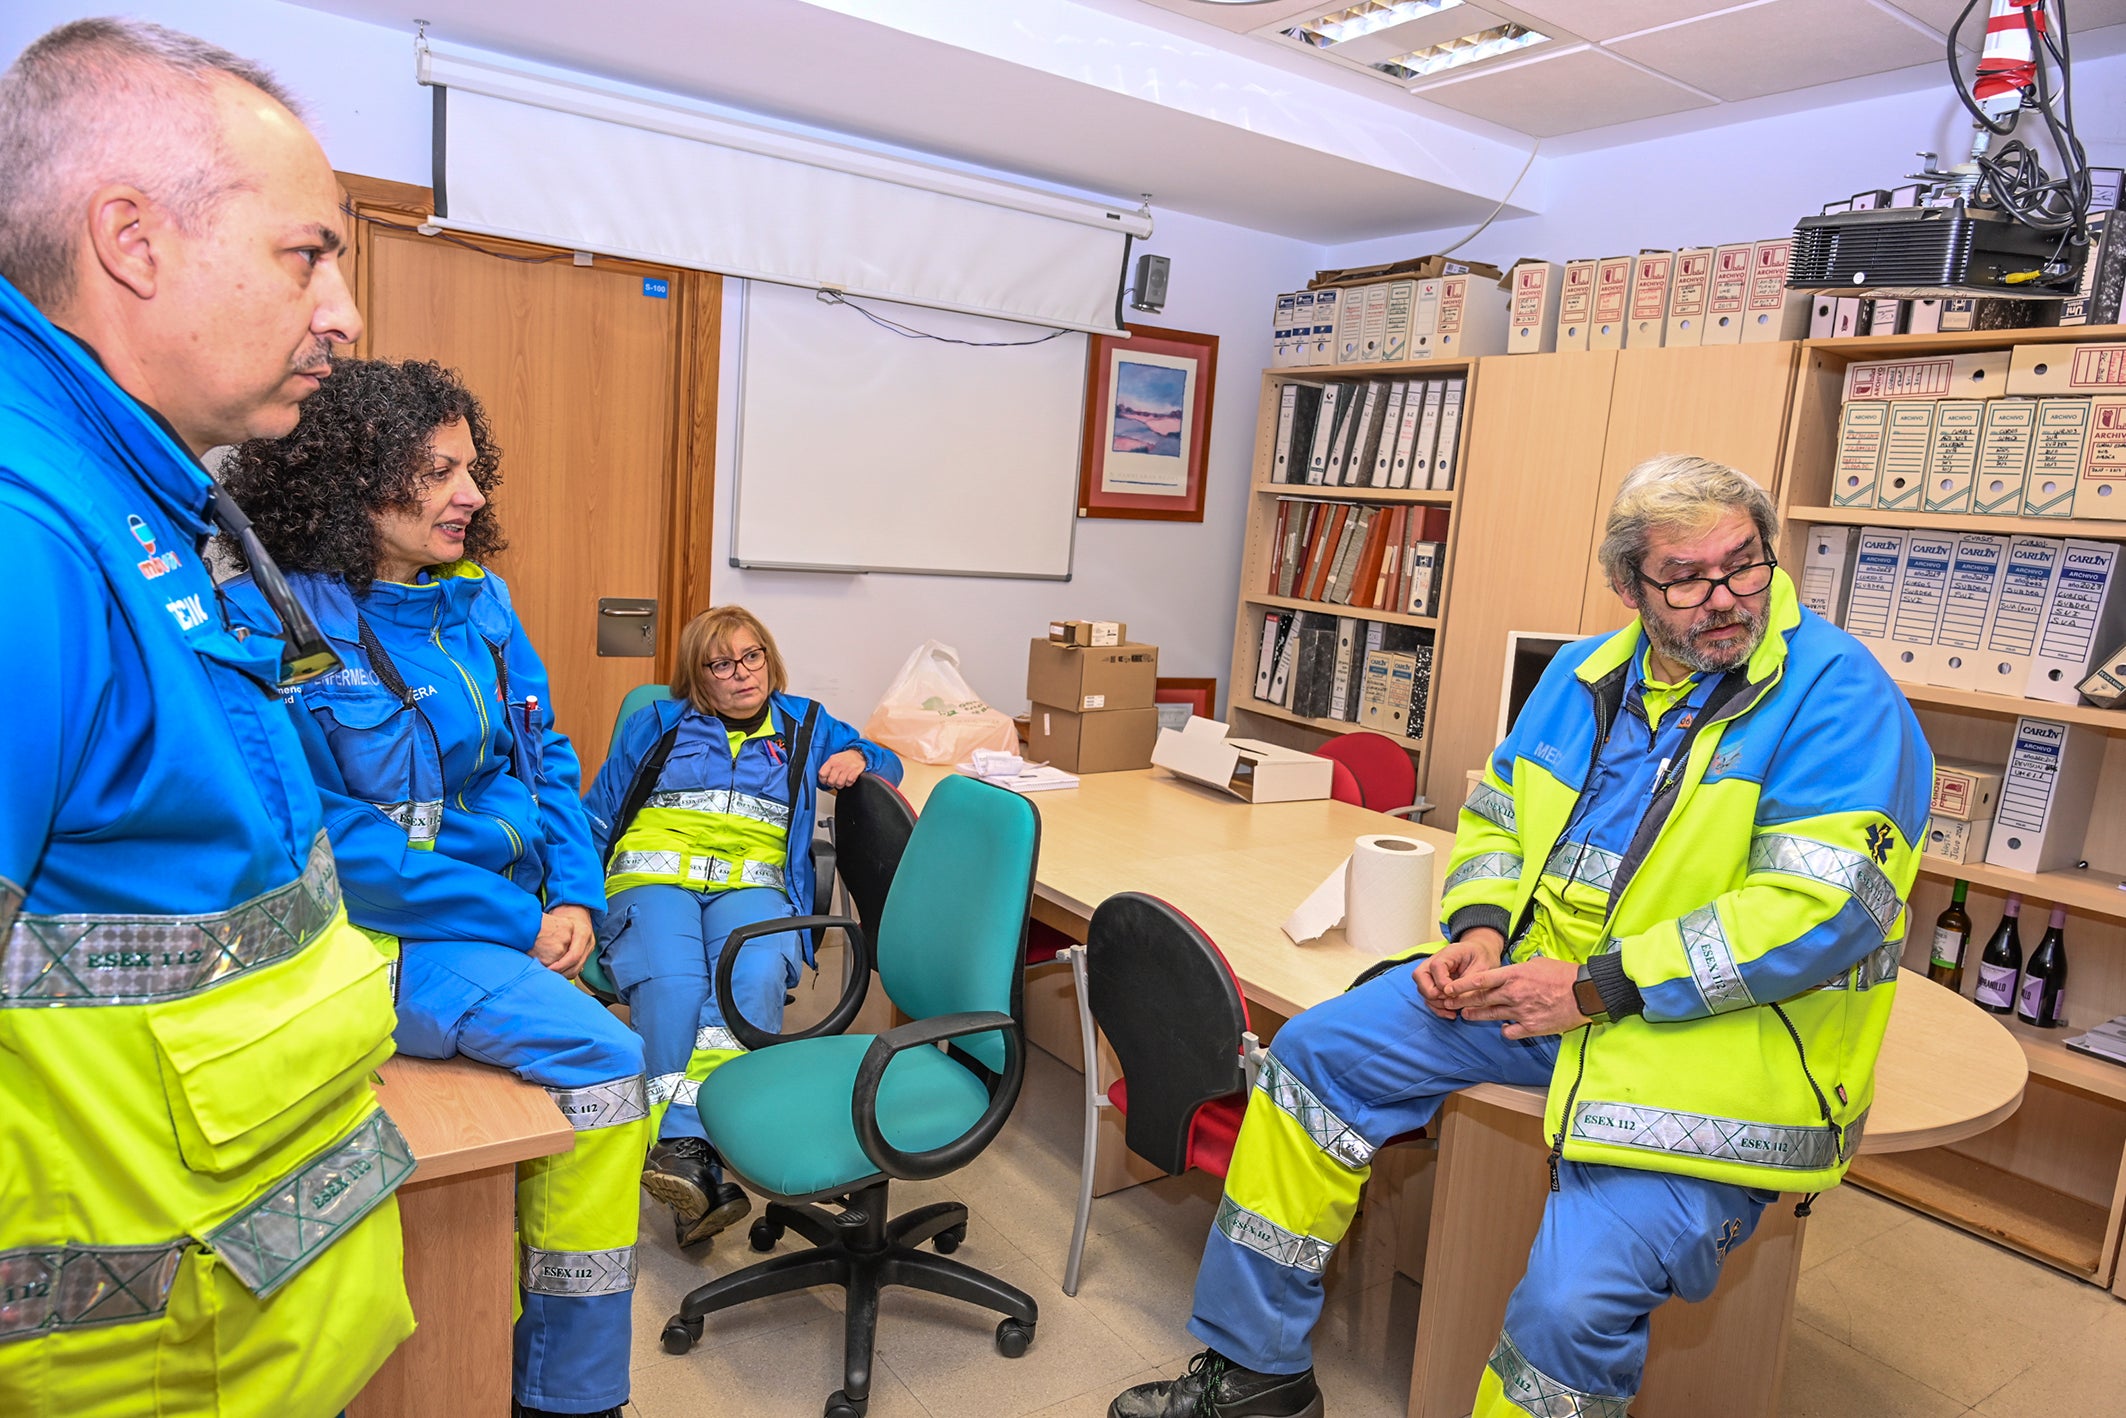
(593, 974)
(820, 1116)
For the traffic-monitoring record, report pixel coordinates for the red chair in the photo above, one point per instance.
(1381, 775)
(1168, 1002)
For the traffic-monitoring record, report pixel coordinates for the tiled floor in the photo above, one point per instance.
(1898, 1316)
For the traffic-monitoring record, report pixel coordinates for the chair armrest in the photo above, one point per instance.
(1415, 811)
(845, 1009)
(921, 1033)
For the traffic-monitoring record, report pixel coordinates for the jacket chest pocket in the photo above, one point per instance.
(387, 756)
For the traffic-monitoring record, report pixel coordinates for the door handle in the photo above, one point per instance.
(627, 626)
(624, 610)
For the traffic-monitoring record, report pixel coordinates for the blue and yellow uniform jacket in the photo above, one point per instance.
(1755, 915)
(444, 779)
(759, 772)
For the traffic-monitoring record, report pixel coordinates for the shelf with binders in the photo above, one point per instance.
(1933, 696)
(1252, 705)
(1374, 431)
(1958, 522)
(2082, 892)
(1425, 495)
(1422, 622)
(1855, 347)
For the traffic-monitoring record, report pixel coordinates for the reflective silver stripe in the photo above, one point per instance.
(1712, 961)
(1850, 871)
(579, 1272)
(688, 1090)
(1266, 1238)
(267, 1243)
(1330, 1133)
(99, 960)
(1585, 864)
(73, 1287)
(646, 864)
(1493, 806)
(701, 868)
(420, 821)
(728, 801)
(1798, 1149)
(10, 902)
(603, 1105)
(1506, 866)
(664, 1086)
(1878, 968)
(711, 1036)
(1543, 1396)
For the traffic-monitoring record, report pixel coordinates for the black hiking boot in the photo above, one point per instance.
(1216, 1387)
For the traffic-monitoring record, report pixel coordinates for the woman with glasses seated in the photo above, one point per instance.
(451, 801)
(703, 815)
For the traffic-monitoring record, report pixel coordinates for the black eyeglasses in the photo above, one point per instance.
(752, 659)
(1690, 592)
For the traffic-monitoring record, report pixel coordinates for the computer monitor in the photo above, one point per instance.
(1528, 654)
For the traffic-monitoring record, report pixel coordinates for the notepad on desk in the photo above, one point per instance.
(1008, 770)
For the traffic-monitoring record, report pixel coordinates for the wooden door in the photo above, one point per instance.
(1527, 497)
(1726, 402)
(589, 375)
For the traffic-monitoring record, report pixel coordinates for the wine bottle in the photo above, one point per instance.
(2002, 962)
(2045, 978)
(1952, 937)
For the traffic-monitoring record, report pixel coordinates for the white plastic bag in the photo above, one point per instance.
(932, 715)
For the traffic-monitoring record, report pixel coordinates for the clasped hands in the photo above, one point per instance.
(1465, 981)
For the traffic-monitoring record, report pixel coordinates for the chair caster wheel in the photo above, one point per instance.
(840, 1405)
(948, 1241)
(680, 1335)
(1013, 1338)
(764, 1234)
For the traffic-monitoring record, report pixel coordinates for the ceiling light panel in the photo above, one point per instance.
(1357, 21)
(1467, 49)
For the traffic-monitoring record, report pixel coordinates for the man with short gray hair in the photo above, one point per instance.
(196, 1209)
(1676, 901)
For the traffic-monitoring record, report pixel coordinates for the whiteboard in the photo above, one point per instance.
(863, 450)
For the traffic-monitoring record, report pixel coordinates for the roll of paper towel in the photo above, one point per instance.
(1381, 896)
(1388, 896)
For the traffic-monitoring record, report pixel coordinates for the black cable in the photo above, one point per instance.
(834, 297)
(2013, 177)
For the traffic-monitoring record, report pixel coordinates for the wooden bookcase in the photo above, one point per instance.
(2051, 1181)
(1259, 718)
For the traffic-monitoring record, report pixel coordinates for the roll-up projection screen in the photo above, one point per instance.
(594, 169)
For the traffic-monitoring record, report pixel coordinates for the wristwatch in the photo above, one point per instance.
(1587, 998)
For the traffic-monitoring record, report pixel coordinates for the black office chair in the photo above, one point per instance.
(1167, 1001)
(872, 824)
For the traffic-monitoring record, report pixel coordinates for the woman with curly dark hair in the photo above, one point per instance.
(451, 801)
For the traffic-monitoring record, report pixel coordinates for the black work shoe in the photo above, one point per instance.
(1216, 1387)
(681, 1173)
(518, 1410)
(727, 1203)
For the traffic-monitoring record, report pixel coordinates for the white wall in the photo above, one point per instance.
(1174, 582)
(1745, 180)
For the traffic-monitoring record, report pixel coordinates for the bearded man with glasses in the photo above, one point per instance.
(1676, 901)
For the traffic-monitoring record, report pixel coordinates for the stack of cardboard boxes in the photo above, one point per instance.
(1091, 688)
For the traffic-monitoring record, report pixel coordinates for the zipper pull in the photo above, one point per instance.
(1557, 1150)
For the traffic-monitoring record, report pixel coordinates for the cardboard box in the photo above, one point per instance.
(1082, 677)
(2068, 369)
(1249, 769)
(1951, 376)
(1088, 632)
(1104, 741)
(1957, 842)
(1966, 792)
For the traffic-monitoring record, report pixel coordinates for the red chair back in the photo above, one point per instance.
(1384, 776)
(1343, 785)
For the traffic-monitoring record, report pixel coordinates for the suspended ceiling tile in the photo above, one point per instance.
(1242, 19)
(1780, 45)
(1567, 92)
(1606, 19)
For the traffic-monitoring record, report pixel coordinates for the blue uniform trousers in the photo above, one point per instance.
(1348, 1075)
(662, 947)
(577, 1210)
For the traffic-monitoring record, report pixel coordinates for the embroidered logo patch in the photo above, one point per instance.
(1725, 759)
(155, 565)
(1880, 840)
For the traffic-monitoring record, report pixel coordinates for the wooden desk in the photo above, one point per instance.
(1238, 870)
(1948, 1071)
(469, 1125)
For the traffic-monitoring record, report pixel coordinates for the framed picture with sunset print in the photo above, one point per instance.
(1147, 424)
